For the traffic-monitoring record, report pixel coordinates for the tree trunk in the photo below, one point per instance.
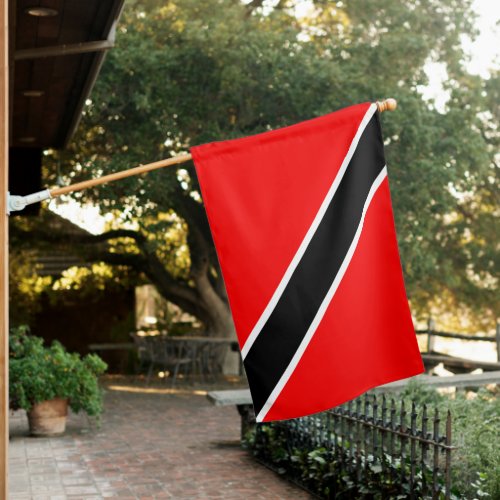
(221, 323)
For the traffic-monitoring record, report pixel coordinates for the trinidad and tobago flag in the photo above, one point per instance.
(303, 226)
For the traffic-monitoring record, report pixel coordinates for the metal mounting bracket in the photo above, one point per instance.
(16, 203)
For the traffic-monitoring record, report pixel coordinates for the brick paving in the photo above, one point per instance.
(150, 445)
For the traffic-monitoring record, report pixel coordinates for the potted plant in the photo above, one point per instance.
(45, 380)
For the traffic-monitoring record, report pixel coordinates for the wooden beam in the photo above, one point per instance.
(457, 381)
(63, 50)
(462, 336)
(4, 247)
(433, 359)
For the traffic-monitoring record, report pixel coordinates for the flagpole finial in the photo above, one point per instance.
(387, 105)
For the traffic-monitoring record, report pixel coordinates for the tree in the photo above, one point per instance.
(188, 72)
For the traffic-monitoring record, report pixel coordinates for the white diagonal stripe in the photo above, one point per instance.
(324, 305)
(309, 235)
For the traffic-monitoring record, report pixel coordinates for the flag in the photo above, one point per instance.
(302, 222)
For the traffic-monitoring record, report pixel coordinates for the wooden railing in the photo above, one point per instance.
(432, 333)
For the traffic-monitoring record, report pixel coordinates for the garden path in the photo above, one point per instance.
(150, 445)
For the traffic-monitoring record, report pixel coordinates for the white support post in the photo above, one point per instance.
(431, 327)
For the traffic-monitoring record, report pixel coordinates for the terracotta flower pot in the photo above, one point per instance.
(48, 417)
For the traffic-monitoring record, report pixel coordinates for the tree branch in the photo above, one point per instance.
(183, 295)
(135, 261)
(65, 238)
(118, 233)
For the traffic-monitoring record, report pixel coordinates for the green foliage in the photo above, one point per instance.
(330, 473)
(25, 286)
(421, 394)
(475, 465)
(475, 433)
(38, 373)
(28, 291)
(188, 72)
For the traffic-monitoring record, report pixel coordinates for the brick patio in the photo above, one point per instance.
(150, 445)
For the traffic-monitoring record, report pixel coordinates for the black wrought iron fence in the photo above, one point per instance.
(369, 445)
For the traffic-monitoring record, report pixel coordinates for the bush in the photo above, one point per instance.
(476, 434)
(38, 373)
(329, 473)
(475, 464)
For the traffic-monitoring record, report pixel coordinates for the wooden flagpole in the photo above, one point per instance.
(120, 175)
(386, 105)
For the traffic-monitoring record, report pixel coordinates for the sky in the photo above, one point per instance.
(486, 48)
(484, 52)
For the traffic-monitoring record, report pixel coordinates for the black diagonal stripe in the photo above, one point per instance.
(285, 329)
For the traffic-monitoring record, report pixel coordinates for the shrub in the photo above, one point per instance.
(329, 473)
(475, 465)
(38, 373)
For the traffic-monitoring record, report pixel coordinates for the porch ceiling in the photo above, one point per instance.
(53, 65)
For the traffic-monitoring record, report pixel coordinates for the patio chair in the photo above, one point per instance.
(174, 357)
(143, 350)
(213, 359)
(156, 351)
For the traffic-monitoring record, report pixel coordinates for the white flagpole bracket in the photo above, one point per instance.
(16, 203)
